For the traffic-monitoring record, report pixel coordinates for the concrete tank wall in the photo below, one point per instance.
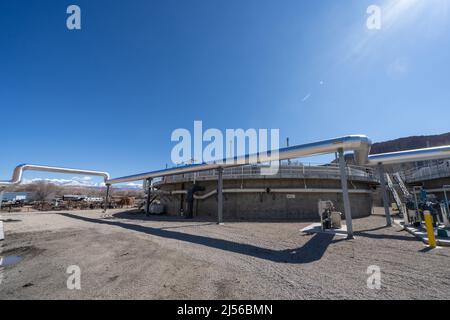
(434, 184)
(269, 205)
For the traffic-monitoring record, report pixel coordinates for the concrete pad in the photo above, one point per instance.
(317, 228)
(421, 234)
(2, 233)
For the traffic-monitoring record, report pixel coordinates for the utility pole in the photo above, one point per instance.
(287, 146)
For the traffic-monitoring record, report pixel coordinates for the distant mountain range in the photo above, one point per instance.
(82, 182)
(413, 142)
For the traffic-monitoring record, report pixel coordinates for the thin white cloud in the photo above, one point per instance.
(134, 184)
(85, 178)
(306, 97)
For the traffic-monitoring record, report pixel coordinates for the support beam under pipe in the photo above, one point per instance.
(2, 232)
(445, 194)
(347, 208)
(220, 196)
(384, 194)
(1, 198)
(106, 198)
(149, 194)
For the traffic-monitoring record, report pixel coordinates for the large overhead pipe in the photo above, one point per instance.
(403, 157)
(360, 144)
(410, 156)
(19, 170)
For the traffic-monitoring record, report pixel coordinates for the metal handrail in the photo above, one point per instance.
(427, 172)
(329, 171)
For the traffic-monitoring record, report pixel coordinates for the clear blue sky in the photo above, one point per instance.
(109, 96)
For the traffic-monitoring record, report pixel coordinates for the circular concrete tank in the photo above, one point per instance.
(292, 193)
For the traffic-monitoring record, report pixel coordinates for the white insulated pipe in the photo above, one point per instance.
(19, 170)
(409, 156)
(360, 144)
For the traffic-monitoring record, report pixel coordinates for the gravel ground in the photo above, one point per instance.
(129, 256)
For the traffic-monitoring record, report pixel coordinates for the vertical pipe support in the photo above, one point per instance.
(344, 183)
(2, 191)
(384, 194)
(149, 194)
(105, 206)
(2, 233)
(445, 195)
(220, 196)
(416, 202)
(444, 211)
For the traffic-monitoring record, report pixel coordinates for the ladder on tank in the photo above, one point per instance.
(397, 199)
(402, 185)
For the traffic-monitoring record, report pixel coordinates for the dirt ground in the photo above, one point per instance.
(128, 256)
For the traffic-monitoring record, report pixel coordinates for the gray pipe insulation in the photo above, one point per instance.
(19, 170)
(359, 144)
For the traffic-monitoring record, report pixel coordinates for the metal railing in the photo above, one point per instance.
(434, 171)
(293, 171)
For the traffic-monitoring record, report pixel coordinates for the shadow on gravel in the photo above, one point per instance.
(139, 215)
(10, 220)
(426, 250)
(366, 234)
(312, 251)
(375, 229)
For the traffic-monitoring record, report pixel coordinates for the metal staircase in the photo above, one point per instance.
(402, 185)
(397, 198)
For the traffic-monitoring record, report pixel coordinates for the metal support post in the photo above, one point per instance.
(149, 194)
(384, 194)
(2, 191)
(347, 208)
(108, 186)
(220, 196)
